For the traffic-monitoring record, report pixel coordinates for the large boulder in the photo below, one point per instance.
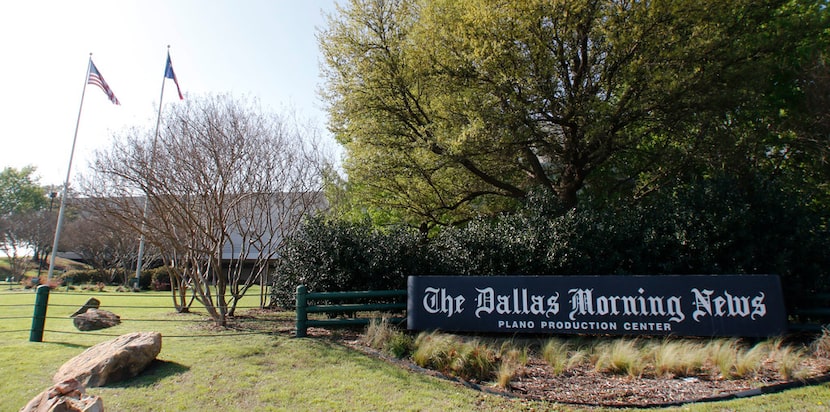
(121, 358)
(65, 396)
(94, 319)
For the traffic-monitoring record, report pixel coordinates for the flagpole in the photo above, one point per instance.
(142, 240)
(68, 174)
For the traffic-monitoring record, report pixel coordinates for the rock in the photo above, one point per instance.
(121, 358)
(92, 303)
(65, 396)
(95, 319)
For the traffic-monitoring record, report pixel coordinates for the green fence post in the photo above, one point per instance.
(302, 315)
(39, 317)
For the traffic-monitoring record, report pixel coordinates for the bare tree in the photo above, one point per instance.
(35, 229)
(259, 226)
(225, 184)
(107, 246)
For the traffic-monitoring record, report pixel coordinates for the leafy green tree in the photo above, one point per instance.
(20, 198)
(20, 191)
(452, 109)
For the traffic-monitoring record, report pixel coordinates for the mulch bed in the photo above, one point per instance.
(584, 386)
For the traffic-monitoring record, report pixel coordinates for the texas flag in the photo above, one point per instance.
(170, 74)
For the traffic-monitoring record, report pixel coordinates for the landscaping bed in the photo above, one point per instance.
(587, 385)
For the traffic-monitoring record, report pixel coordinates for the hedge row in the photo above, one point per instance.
(713, 227)
(154, 279)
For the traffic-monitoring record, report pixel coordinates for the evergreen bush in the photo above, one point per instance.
(156, 279)
(85, 276)
(339, 256)
(710, 226)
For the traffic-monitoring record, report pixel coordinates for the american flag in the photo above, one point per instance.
(98, 80)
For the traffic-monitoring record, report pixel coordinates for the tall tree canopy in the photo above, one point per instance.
(449, 109)
(20, 191)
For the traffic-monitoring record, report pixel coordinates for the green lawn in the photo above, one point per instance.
(201, 368)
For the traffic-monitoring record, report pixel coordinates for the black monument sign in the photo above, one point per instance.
(682, 305)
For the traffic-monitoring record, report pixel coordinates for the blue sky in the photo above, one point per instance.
(263, 49)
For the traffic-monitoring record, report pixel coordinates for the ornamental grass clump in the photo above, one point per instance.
(789, 361)
(678, 358)
(435, 351)
(378, 333)
(474, 361)
(400, 345)
(470, 360)
(620, 356)
(560, 355)
(511, 361)
(821, 346)
(381, 335)
(722, 354)
(749, 361)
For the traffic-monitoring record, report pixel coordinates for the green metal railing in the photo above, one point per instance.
(303, 307)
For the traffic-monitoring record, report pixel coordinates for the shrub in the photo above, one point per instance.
(85, 276)
(717, 225)
(159, 278)
(337, 255)
(399, 345)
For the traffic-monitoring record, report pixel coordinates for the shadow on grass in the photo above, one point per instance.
(156, 371)
(69, 345)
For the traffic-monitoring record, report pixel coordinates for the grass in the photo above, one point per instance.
(821, 347)
(681, 357)
(622, 356)
(678, 358)
(557, 353)
(448, 354)
(788, 360)
(201, 368)
(510, 360)
(219, 370)
(382, 336)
